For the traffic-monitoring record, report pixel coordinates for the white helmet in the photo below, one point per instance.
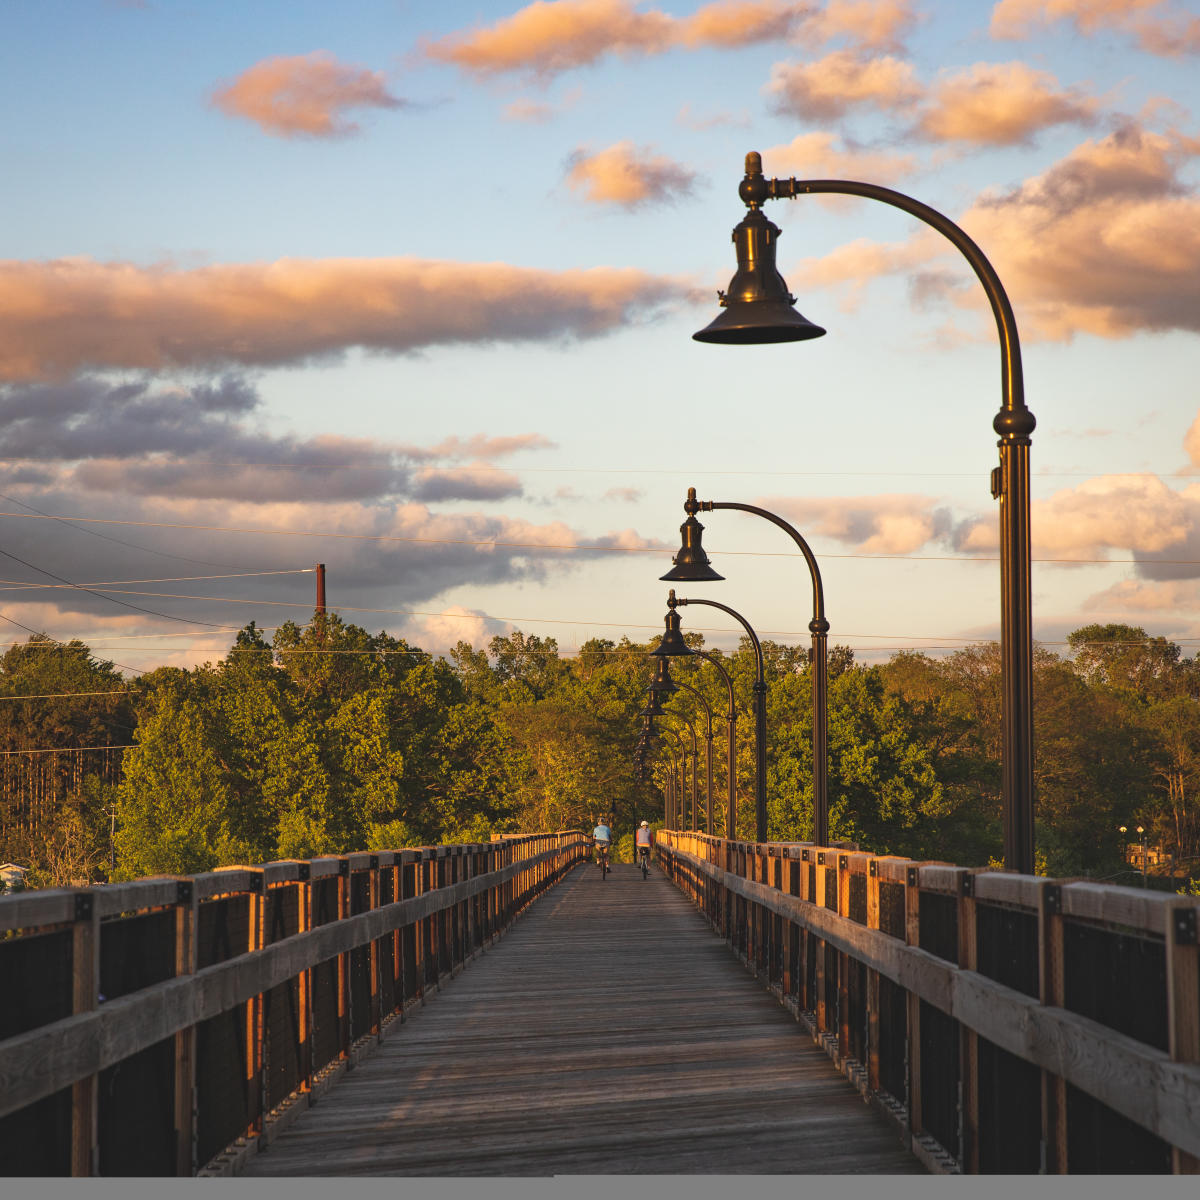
(645, 824)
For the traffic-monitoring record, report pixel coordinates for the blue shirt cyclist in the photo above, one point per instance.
(602, 833)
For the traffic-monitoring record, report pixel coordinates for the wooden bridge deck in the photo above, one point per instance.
(609, 1032)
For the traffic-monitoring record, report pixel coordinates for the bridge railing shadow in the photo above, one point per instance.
(160, 1027)
(1008, 1023)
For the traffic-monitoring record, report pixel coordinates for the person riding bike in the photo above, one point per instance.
(602, 836)
(642, 842)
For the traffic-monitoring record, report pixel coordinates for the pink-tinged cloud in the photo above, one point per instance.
(549, 37)
(628, 176)
(1113, 512)
(1148, 596)
(1000, 104)
(1156, 26)
(869, 24)
(889, 524)
(476, 481)
(1106, 242)
(852, 267)
(732, 23)
(528, 112)
(624, 495)
(841, 81)
(68, 314)
(440, 632)
(818, 156)
(306, 95)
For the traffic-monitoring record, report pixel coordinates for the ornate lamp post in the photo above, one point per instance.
(759, 308)
(760, 721)
(691, 563)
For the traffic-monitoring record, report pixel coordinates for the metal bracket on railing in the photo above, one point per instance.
(912, 877)
(843, 861)
(374, 862)
(1185, 927)
(820, 858)
(183, 892)
(966, 886)
(1052, 899)
(83, 906)
(344, 868)
(873, 868)
(304, 872)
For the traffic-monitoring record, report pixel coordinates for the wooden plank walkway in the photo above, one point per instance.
(610, 1032)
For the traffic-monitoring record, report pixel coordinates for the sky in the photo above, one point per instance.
(408, 289)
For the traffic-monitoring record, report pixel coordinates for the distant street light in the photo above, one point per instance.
(692, 564)
(760, 718)
(673, 645)
(664, 674)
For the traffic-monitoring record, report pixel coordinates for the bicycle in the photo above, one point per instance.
(644, 860)
(602, 852)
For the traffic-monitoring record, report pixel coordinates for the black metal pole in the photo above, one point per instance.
(760, 720)
(708, 746)
(731, 721)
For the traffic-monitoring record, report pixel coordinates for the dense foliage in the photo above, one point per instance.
(330, 739)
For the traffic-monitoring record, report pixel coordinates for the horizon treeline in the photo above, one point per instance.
(330, 739)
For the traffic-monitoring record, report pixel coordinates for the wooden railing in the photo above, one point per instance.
(166, 1026)
(1008, 1023)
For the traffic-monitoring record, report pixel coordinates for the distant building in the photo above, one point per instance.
(13, 876)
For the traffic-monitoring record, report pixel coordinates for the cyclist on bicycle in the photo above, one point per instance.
(642, 841)
(602, 836)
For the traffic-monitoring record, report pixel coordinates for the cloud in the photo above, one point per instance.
(549, 37)
(870, 24)
(306, 95)
(528, 111)
(732, 23)
(1155, 26)
(628, 176)
(832, 86)
(718, 120)
(888, 524)
(1105, 242)
(1142, 596)
(197, 442)
(439, 633)
(623, 495)
(68, 314)
(816, 156)
(1000, 104)
(475, 482)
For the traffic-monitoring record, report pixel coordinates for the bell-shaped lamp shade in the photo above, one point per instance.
(653, 707)
(691, 563)
(757, 305)
(671, 644)
(662, 684)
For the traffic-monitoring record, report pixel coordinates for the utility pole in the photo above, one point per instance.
(321, 589)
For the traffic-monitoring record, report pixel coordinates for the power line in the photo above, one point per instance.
(108, 538)
(100, 595)
(494, 543)
(13, 585)
(481, 468)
